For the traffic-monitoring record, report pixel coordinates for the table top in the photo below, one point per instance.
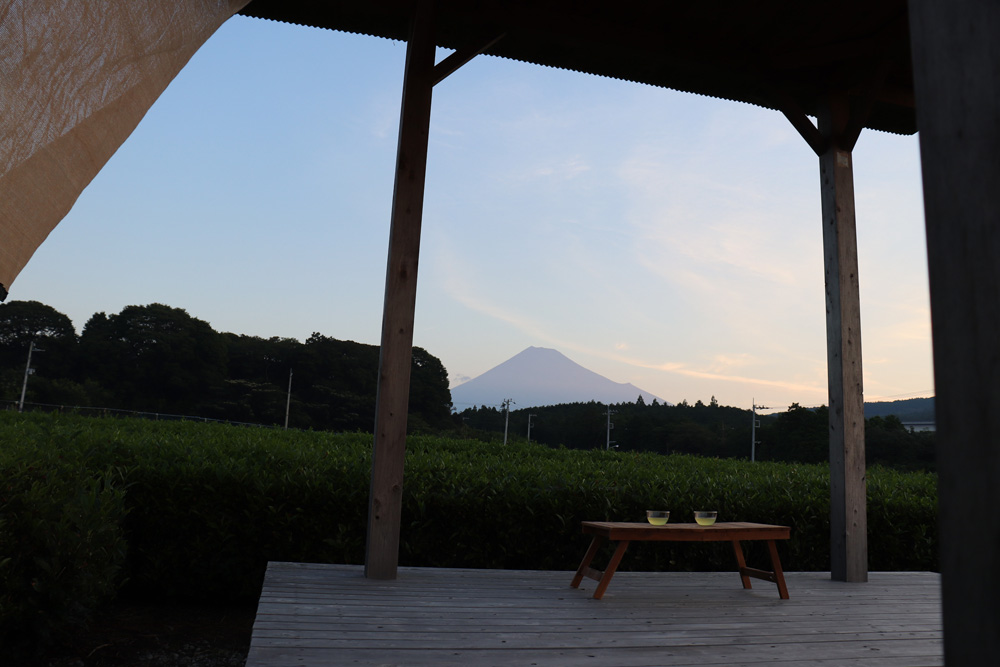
(686, 532)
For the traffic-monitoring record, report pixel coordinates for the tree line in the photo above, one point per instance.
(157, 358)
(797, 435)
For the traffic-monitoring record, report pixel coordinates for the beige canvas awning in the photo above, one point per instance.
(75, 80)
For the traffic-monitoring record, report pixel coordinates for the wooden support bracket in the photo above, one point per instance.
(459, 58)
(787, 105)
(847, 135)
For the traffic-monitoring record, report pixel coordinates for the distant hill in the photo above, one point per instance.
(911, 409)
(541, 376)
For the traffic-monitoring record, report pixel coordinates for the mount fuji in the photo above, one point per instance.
(541, 376)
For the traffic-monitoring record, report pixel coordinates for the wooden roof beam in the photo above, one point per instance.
(896, 95)
(859, 117)
(892, 36)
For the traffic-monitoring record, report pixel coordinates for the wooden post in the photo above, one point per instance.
(956, 72)
(392, 402)
(848, 514)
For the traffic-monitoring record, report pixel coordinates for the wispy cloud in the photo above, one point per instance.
(709, 374)
(904, 323)
(461, 284)
(687, 222)
(564, 170)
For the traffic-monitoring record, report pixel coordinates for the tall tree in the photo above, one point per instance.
(154, 357)
(23, 323)
(430, 397)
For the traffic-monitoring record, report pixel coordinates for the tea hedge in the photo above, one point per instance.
(203, 507)
(62, 546)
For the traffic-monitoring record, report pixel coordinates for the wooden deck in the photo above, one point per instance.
(331, 615)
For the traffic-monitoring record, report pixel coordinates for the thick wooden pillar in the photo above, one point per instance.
(386, 495)
(848, 514)
(956, 72)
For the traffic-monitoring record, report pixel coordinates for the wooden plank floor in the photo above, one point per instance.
(331, 615)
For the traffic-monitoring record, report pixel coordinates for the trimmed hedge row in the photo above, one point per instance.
(203, 507)
(521, 507)
(62, 546)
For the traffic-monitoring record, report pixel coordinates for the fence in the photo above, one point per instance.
(116, 412)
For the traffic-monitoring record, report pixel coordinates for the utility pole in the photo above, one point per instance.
(28, 370)
(753, 429)
(288, 403)
(529, 426)
(506, 411)
(609, 441)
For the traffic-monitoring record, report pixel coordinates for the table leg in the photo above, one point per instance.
(779, 575)
(595, 544)
(741, 564)
(610, 572)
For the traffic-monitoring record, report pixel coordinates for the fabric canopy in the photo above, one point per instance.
(76, 77)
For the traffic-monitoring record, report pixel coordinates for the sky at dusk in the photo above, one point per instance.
(660, 238)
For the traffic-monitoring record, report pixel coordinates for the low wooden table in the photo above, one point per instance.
(735, 532)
